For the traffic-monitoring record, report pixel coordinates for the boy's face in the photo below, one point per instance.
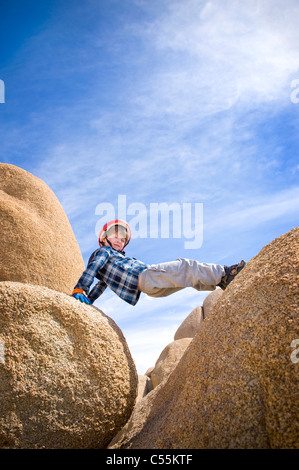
(117, 238)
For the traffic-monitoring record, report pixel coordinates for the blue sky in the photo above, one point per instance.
(188, 101)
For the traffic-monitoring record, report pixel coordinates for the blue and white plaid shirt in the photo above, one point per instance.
(115, 270)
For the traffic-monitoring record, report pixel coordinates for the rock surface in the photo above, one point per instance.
(144, 386)
(210, 301)
(67, 379)
(189, 327)
(168, 360)
(38, 245)
(237, 385)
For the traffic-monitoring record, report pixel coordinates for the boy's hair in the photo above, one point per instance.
(116, 229)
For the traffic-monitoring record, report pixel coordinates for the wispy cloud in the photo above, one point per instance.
(257, 211)
(228, 50)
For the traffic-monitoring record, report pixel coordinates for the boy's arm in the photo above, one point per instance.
(87, 278)
(98, 290)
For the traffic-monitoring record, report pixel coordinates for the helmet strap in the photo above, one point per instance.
(109, 242)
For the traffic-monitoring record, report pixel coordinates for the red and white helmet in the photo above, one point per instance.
(110, 227)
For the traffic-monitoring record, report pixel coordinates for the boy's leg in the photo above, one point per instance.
(163, 279)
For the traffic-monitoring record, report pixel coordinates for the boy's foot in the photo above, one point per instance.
(230, 274)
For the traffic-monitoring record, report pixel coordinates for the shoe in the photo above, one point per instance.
(230, 274)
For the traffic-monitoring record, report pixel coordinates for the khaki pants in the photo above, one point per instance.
(160, 280)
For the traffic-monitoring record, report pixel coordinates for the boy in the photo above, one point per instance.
(128, 277)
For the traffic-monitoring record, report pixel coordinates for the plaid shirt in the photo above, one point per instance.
(115, 270)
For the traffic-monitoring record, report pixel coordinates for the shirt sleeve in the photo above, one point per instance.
(96, 262)
(97, 291)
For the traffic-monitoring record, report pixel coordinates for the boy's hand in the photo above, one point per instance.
(79, 295)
